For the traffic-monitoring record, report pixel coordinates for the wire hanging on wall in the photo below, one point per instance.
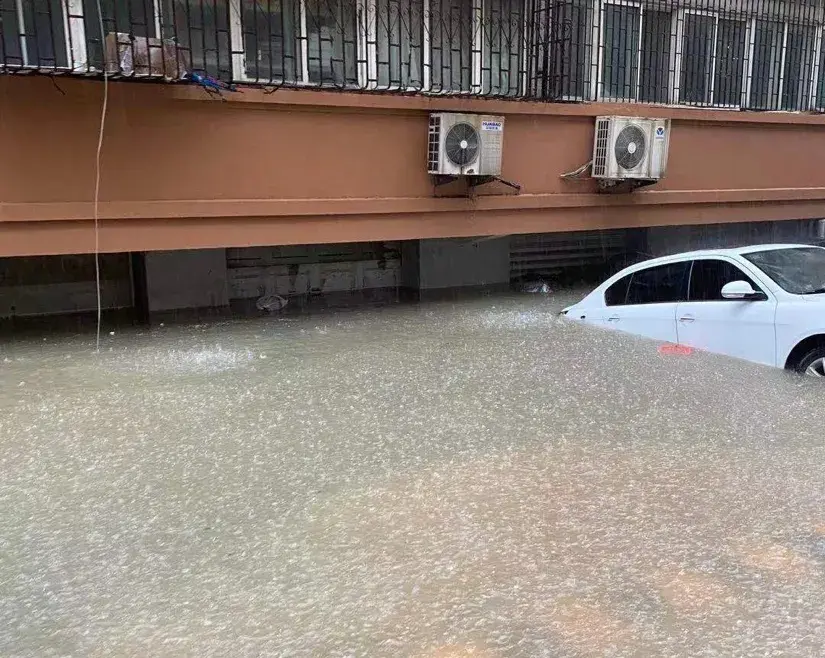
(103, 110)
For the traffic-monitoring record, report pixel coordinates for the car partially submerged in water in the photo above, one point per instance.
(762, 303)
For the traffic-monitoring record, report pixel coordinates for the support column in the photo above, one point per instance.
(192, 279)
(455, 263)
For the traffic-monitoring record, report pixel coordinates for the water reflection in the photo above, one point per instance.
(448, 479)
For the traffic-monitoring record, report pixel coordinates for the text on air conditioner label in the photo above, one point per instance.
(492, 125)
(660, 133)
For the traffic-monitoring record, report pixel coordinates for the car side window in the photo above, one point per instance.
(708, 277)
(659, 285)
(616, 294)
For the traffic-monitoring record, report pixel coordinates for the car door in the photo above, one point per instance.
(738, 328)
(644, 302)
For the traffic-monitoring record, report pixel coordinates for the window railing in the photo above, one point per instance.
(745, 54)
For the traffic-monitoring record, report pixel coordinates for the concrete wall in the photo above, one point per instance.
(183, 170)
(409, 272)
(186, 279)
(200, 278)
(53, 285)
(662, 241)
(61, 298)
(435, 264)
(305, 269)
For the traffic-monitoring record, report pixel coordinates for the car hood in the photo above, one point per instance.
(582, 302)
(566, 309)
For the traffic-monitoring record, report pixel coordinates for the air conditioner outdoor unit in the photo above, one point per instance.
(630, 148)
(465, 144)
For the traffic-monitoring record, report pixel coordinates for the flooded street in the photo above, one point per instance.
(476, 478)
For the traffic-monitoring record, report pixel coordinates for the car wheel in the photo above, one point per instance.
(813, 363)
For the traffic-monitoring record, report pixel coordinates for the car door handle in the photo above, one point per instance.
(613, 318)
(687, 318)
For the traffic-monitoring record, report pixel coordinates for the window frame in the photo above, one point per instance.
(476, 52)
(238, 49)
(75, 19)
(817, 71)
(677, 40)
(367, 54)
(628, 277)
(782, 60)
(597, 75)
(688, 262)
(368, 36)
(539, 44)
(754, 281)
(811, 82)
(591, 90)
(597, 72)
(368, 44)
(674, 72)
(524, 54)
(74, 41)
(367, 50)
(540, 51)
(677, 37)
(745, 64)
(768, 276)
(684, 284)
(751, 59)
(815, 80)
(76, 31)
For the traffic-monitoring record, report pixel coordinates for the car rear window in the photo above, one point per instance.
(653, 285)
(616, 294)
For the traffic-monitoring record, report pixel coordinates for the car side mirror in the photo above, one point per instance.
(741, 290)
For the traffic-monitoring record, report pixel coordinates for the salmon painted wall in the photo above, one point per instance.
(181, 169)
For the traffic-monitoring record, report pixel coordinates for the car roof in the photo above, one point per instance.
(771, 247)
(704, 253)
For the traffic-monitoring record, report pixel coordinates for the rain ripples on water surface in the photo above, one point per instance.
(479, 478)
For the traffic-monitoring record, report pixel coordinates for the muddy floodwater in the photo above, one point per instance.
(452, 479)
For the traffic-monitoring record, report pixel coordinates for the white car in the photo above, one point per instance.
(763, 303)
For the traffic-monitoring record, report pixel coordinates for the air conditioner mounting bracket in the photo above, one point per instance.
(623, 186)
(473, 182)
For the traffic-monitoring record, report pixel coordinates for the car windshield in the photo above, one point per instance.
(798, 270)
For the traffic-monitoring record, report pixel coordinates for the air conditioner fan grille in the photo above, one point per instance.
(462, 144)
(630, 147)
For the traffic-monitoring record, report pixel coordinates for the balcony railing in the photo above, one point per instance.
(746, 54)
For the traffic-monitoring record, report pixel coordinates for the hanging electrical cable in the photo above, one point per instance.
(578, 174)
(97, 177)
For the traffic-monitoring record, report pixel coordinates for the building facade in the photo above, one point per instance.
(253, 123)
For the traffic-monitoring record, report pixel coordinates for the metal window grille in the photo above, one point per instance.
(748, 54)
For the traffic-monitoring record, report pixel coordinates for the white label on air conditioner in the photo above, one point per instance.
(660, 133)
(497, 126)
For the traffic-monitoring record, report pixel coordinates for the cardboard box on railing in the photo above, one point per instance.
(137, 56)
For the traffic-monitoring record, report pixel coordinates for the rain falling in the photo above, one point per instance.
(466, 478)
